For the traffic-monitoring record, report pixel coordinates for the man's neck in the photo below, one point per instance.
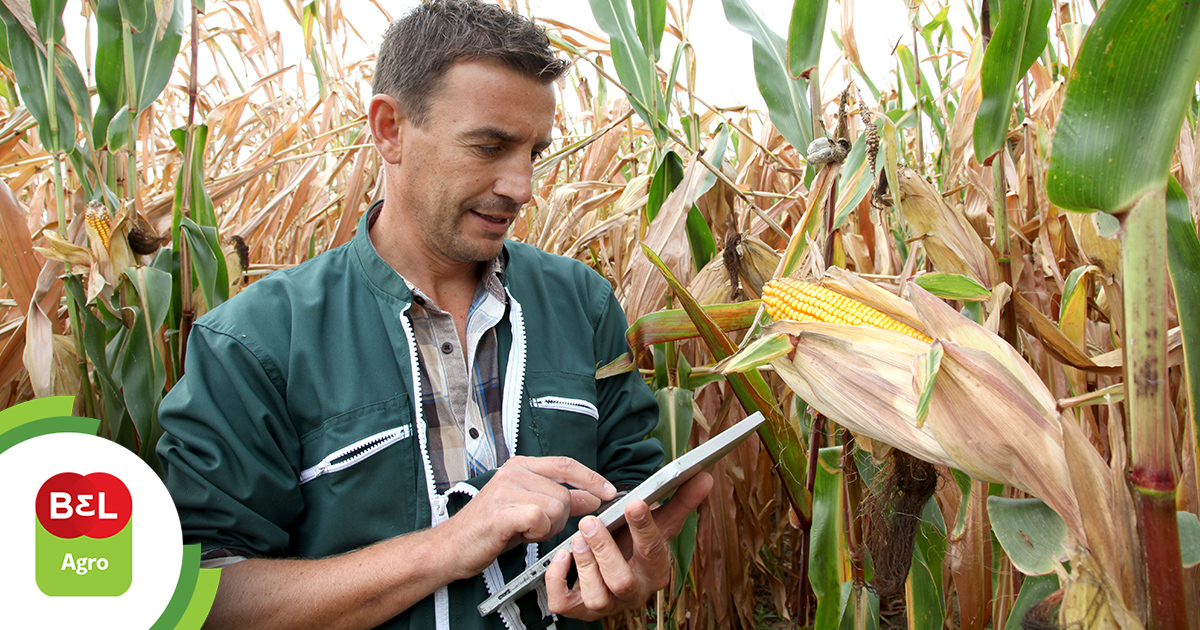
(450, 284)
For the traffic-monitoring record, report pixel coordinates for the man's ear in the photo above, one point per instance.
(386, 120)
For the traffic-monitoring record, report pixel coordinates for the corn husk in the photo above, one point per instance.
(989, 415)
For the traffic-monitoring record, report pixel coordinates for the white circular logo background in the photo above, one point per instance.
(157, 539)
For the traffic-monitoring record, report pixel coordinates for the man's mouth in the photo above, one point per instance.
(498, 220)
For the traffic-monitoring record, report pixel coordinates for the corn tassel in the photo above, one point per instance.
(788, 298)
(98, 219)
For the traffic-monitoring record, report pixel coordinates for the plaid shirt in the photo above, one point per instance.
(460, 392)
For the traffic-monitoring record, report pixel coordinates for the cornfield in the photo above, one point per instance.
(1023, 190)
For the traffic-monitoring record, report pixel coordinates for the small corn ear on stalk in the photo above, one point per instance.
(788, 298)
(99, 222)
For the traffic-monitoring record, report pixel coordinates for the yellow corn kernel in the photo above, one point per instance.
(788, 298)
(98, 219)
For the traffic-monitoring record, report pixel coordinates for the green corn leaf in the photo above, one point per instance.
(153, 64)
(1189, 538)
(855, 182)
(204, 262)
(675, 412)
(825, 552)
(122, 427)
(76, 90)
(109, 68)
(135, 12)
(805, 34)
(925, 94)
(683, 547)
(1021, 35)
(676, 325)
(29, 64)
(700, 238)
(1034, 589)
(1032, 534)
(715, 156)
(926, 573)
(143, 374)
(96, 334)
(927, 367)
(650, 17)
(635, 67)
(963, 481)
(666, 178)
(859, 608)
(762, 351)
(786, 98)
(1125, 103)
(1183, 259)
(953, 286)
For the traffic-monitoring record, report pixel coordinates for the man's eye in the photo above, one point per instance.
(535, 155)
(488, 151)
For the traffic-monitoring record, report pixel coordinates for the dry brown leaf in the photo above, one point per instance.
(18, 264)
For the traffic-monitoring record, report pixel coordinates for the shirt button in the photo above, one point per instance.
(447, 348)
(474, 433)
(419, 300)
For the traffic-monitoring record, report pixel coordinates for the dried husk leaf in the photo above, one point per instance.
(996, 431)
(951, 242)
(940, 321)
(1103, 252)
(64, 251)
(757, 262)
(39, 350)
(860, 377)
(1109, 516)
(1091, 602)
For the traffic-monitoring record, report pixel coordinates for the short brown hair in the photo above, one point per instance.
(419, 48)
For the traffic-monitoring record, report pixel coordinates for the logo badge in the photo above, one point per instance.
(83, 536)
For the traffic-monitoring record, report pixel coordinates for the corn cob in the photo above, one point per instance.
(788, 298)
(98, 219)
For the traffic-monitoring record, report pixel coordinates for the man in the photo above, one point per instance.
(385, 435)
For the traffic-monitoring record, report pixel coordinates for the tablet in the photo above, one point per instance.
(657, 486)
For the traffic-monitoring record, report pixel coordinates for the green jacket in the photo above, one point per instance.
(297, 432)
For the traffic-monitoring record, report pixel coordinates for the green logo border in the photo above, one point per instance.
(196, 588)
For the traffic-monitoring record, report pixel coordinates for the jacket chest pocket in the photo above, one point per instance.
(564, 415)
(359, 478)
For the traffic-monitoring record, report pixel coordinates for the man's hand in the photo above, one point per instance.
(524, 501)
(610, 580)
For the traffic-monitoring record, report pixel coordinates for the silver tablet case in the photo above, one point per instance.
(654, 488)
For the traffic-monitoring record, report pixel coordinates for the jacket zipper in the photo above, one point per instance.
(566, 404)
(355, 453)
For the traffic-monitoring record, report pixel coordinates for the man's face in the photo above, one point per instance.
(465, 173)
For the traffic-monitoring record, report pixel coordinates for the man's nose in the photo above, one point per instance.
(515, 179)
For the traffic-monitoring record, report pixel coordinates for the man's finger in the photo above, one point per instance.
(568, 471)
(618, 576)
(670, 516)
(583, 503)
(556, 577)
(591, 586)
(649, 542)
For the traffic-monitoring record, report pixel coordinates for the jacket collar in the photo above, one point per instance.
(378, 272)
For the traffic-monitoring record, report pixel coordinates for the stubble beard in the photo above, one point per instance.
(446, 233)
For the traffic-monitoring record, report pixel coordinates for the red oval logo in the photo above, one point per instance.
(70, 505)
